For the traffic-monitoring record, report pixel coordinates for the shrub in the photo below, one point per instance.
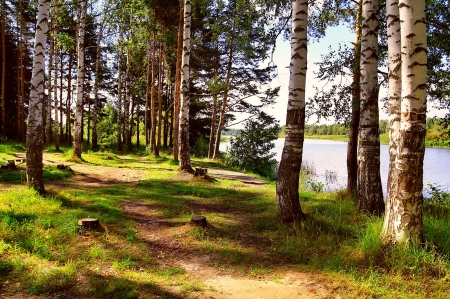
(252, 149)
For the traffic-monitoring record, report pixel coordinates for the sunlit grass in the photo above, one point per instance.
(42, 247)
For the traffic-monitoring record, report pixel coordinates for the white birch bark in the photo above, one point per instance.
(48, 106)
(78, 138)
(185, 159)
(370, 194)
(34, 140)
(394, 101)
(405, 222)
(291, 158)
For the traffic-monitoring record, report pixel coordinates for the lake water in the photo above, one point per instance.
(328, 156)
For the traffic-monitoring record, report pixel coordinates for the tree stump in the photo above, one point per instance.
(200, 171)
(11, 165)
(199, 221)
(88, 223)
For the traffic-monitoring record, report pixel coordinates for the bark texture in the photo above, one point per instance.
(352, 146)
(291, 158)
(404, 216)
(35, 131)
(176, 103)
(78, 133)
(3, 68)
(370, 192)
(55, 77)
(185, 158)
(119, 90)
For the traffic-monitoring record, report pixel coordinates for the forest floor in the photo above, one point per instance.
(278, 280)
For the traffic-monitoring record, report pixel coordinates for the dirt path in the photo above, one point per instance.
(171, 252)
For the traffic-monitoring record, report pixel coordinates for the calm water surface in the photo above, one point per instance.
(331, 156)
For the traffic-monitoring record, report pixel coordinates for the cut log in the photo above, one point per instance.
(88, 223)
(199, 221)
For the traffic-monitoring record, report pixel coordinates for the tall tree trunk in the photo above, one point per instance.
(21, 101)
(370, 192)
(133, 106)
(404, 216)
(394, 107)
(147, 99)
(55, 78)
(153, 100)
(176, 102)
(35, 131)
(78, 138)
(3, 69)
(185, 158)
(137, 117)
(160, 91)
(119, 90)
(212, 133)
(126, 106)
(96, 83)
(61, 89)
(68, 101)
(291, 158)
(48, 128)
(225, 99)
(352, 146)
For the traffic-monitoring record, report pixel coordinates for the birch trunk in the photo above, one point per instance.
(3, 69)
(291, 158)
(34, 141)
(185, 159)
(370, 192)
(78, 137)
(394, 103)
(48, 106)
(404, 217)
(126, 106)
(69, 100)
(352, 146)
(119, 89)
(176, 103)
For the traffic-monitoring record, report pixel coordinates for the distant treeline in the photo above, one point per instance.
(438, 131)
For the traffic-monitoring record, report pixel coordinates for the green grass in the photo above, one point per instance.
(42, 248)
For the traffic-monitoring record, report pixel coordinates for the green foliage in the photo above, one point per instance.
(251, 150)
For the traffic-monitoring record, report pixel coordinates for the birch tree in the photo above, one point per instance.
(370, 192)
(185, 159)
(403, 222)
(35, 131)
(291, 158)
(78, 137)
